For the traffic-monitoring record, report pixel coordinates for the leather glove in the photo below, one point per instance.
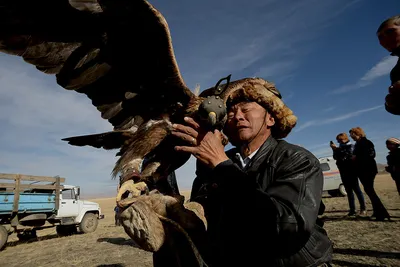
(144, 220)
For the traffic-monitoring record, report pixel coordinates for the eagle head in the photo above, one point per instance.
(212, 111)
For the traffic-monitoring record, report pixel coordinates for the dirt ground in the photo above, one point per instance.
(357, 242)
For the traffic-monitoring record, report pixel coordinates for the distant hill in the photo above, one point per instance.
(381, 168)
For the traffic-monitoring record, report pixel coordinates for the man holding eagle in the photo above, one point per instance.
(257, 202)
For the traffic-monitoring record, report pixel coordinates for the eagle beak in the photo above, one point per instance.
(212, 118)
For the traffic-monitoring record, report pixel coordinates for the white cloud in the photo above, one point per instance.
(351, 115)
(335, 119)
(264, 39)
(382, 68)
(329, 109)
(305, 125)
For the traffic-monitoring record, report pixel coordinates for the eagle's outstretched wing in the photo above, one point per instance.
(117, 52)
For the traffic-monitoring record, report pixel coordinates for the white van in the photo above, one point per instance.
(332, 180)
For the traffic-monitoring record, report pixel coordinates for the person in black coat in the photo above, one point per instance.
(393, 160)
(364, 159)
(343, 156)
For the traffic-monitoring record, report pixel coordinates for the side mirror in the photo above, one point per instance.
(77, 192)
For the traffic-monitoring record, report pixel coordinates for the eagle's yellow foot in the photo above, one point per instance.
(134, 189)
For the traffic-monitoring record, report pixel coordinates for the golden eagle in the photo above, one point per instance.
(135, 84)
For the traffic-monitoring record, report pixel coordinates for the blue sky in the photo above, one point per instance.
(323, 56)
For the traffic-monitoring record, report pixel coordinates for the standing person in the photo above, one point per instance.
(393, 160)
(389, 37)
(343, 156)
(365, 164)
(262, 197)
(116, 216)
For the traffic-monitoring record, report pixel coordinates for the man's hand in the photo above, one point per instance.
(392, 100)
(208, 147)
(190, 133)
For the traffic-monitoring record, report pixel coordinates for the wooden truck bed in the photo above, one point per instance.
(28, 194)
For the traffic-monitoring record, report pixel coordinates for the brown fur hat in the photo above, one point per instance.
(265, 94)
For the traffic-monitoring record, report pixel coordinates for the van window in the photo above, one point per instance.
(325, 167)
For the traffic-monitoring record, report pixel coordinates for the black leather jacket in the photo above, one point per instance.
(343, 156)
(393, 162)
(365, 163)
(264, 214)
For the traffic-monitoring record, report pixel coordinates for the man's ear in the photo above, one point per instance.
(270, 121)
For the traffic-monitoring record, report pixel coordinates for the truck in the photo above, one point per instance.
(29, 203)
(332, 180)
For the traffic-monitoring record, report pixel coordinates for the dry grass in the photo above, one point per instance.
(357, 242)
(360, 242)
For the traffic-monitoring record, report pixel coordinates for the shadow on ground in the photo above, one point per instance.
(346, 211)
(111, 265)
(353, 264)
(118, 241)
(32, 240)
(358, 218)
(367, 253)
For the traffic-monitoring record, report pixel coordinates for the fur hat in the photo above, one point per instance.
(265, 94)
(393, 140)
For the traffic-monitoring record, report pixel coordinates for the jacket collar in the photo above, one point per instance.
(263, 152)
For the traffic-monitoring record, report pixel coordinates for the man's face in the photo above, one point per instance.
(247, 120)
(389, 37)
(391, 146)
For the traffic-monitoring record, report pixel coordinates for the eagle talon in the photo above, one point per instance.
(135, 189)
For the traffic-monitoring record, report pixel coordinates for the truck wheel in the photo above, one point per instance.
(3, 236)
(342, 190)
(88, 223)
